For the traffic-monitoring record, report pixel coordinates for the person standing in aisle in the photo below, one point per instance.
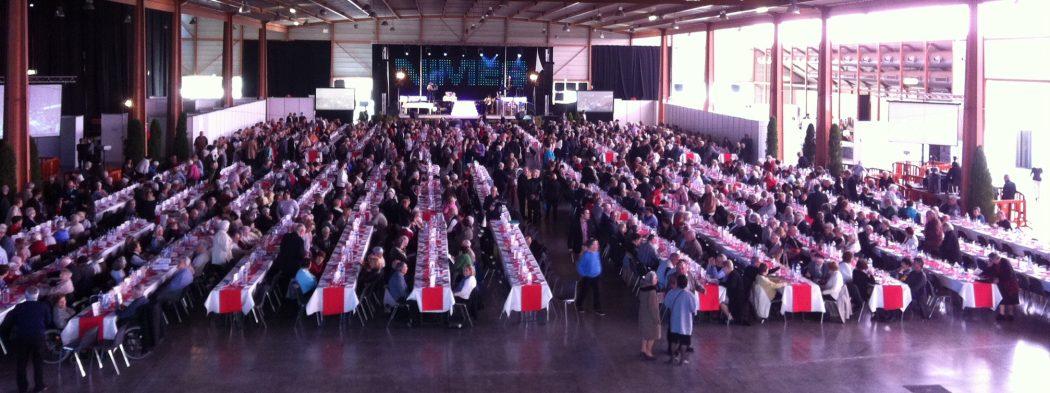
(24, 327)
(590, 270)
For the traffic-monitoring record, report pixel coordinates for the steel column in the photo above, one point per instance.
(665, 76)
(138, 64)
(264, 74)
(776, 88)
(175, 72)
(823, 124)
(227, 60)
(16, 89)
(709, 65)
(973, 100)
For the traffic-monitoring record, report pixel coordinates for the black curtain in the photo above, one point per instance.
(295, 68)
(92, 45)
(158, 52)
(630, 72)
(250, 68)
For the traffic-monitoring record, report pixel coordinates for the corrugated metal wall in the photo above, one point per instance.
(352, 52)
(206, 58)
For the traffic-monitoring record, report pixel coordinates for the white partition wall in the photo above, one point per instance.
(635, 111)
(225, 121)
(278, 107)
(718, 125)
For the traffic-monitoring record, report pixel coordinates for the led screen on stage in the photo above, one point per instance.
(594, 101)
(340, 99)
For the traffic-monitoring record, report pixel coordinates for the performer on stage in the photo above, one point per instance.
(431, 89)
(490, 105)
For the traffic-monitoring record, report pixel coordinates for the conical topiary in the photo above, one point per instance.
(981, 193)
(34, 162)
(772, 139)
(7, 164)
(835, 150)
(182, 148)
(157, 138)
(809, 145)
(135, 142)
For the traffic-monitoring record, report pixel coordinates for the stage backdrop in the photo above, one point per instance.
(473, 72)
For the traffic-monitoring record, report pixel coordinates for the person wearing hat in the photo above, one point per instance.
(25, 326)
(649, 314)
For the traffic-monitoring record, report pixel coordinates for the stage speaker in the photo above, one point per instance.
(339, 84)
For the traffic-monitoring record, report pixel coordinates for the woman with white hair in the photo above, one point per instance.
(222, 244)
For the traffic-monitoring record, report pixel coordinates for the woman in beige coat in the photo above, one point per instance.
(649, 315)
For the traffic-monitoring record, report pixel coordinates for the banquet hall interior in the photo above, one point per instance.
(511, 195)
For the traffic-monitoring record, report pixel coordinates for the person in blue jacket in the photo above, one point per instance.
(590, 270)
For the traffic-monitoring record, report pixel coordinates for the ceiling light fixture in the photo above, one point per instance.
(619, 11)
(794, 8)
(59, 12)
(243, 9)
(384, 23)
(761, 10)
(653, 17)
(355, 26)
(723, 15)
(292, 10)
(193, 20)
(601, 34)
(127, 19)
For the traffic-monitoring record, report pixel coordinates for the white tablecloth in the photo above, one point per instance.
(879, 298)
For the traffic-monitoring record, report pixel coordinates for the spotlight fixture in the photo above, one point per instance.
(519, 55)
(428, 53)
(534, 77)
(127, 19)
(674, 25)
(392, 28)
(631, 30)
(566, 28)
(324, 30)
(295, 22)
(291, 10)
(399, 75)
(601, 34)
(322, 12)
(243, 9)
(89, 5)
(444, 54)
(653, 17)
(30, 72)
(723, 15)
(59, 12)
(406, 53)
(794, 8)
(355, 26)
(31, 5)
(128, 103)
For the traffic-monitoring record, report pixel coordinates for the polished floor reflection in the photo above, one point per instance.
(585, 353)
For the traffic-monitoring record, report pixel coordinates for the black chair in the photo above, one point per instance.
(116, 344)
(87, 343)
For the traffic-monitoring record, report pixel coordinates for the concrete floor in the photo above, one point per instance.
(588, 353)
